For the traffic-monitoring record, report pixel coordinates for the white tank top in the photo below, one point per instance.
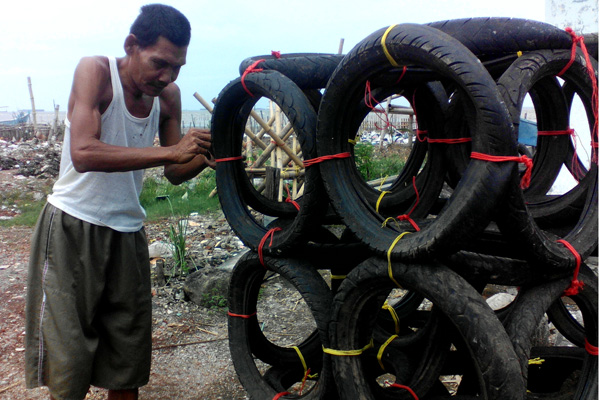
(102, 198)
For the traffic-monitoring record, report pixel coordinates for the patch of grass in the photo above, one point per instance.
(162, 200)
(28, 214)
(191, 196)
(25, 202)
(373, 164)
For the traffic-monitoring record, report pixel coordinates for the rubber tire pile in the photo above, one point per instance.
(415, 260)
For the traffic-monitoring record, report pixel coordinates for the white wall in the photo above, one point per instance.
(581, 15)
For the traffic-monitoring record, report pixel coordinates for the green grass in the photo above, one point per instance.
(191, 196)
(373, 164)
(28, 214)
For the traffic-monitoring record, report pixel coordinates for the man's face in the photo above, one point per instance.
(156, 66)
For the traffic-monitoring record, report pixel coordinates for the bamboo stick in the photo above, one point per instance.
(248, 132)
(35, 130)
(276, 138)
(267, 151)
(279, 155)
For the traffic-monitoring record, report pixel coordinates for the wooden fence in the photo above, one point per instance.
(24, 132)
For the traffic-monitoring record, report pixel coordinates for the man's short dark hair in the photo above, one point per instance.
(161, 20)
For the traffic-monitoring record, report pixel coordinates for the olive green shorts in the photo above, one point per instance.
(89, 307)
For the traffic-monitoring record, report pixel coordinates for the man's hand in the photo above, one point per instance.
(195, 142)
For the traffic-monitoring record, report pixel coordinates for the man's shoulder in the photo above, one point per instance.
(170, 99)
(97, 64)
(93, 78)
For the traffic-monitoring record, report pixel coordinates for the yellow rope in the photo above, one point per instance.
(389, 257)
(382, 349)
(338, 276)
(392, 312)
(348, 352)
(536, 361)
(301, 358)
(379, 201)
(385, 50)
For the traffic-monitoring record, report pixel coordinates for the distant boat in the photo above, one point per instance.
(14, 118)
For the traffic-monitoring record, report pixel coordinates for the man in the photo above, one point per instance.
(89, 305)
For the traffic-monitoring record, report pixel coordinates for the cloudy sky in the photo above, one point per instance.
(45, 40)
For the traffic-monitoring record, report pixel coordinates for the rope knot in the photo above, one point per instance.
(576, 285)
(250, 69)
(270, 233)
(526, 179)
(406, 217)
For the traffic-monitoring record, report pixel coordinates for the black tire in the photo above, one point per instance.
(497, 36)
(425, 161)
(356, 307)
(563, 320)
(469, 209)
(237, 195)
(517, 222)
(247, 341)
(528, 310)
(307, 70)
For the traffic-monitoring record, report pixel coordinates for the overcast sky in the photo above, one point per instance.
(45, 40)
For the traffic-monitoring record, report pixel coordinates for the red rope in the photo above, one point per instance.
(401, 75)
(251, 68)
(289, 199)
(576, 285)
(409, 390)
(280, 395)
(525, 180)
(590, 348)
(276, 54)
(451, 141)
(574, 162)
(270, 233)
(313, 161)
(241, 315)
(569, 131)
(228, 159)
(406, 217)
(446, 141)
(304, 381)
(372, 103)
(579, 40)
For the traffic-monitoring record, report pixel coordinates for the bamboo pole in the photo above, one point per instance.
(295, 181)
(279, 155)
(276, 138)
(209, 108)
(35, 130)
(287, 131)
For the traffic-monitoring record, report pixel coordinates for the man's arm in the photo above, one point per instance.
(90, 85)
(170, 134)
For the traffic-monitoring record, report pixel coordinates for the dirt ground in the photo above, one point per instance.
(190, 358)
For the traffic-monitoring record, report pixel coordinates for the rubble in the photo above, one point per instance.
(40, 159)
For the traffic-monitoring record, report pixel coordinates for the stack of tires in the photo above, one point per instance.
(471, 209)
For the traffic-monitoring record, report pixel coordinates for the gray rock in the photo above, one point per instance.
(208, 287)
(160, 249)
(231, 262)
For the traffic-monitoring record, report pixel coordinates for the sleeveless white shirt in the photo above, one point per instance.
(103, 198)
